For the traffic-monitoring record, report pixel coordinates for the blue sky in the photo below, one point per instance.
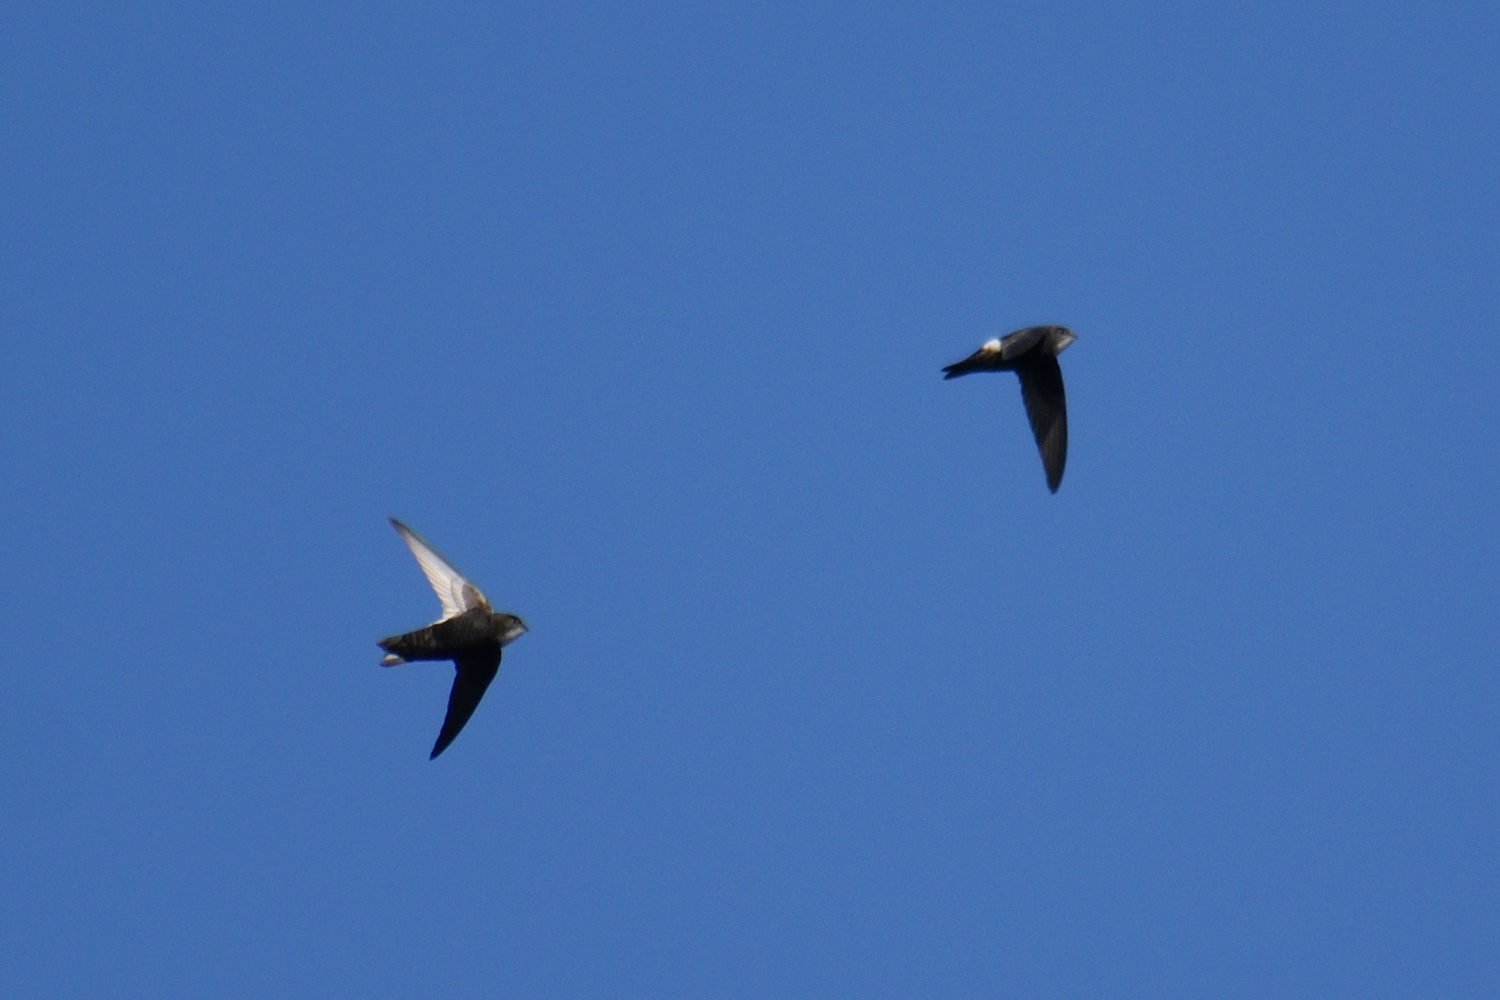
(637, 313)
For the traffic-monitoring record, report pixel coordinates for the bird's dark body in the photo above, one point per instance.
(969, 366)
(478, 630)
(1044, 348)
(473, 640)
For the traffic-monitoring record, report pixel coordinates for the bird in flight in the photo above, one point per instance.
(1032, 354)
(470, 633)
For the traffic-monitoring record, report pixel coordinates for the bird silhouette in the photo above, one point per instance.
(470, 633)
(1032, 354)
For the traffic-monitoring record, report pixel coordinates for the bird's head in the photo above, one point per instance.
(514, 628)
(1061, 338)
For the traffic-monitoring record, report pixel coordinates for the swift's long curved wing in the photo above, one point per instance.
(457, 594)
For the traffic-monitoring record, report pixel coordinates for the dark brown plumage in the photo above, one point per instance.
(1032, 354)
(470, 633)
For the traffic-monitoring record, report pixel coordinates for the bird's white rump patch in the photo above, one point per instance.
(991, 346)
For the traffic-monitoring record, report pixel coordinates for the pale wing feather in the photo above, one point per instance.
(456, 594)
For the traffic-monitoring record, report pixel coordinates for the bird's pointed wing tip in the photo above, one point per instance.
(455, 592)
(471, 679)
(1047, 410)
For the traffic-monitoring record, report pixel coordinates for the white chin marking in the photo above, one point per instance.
(391, 660)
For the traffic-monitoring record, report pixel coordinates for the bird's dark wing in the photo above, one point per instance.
(1042, 391)
(1013, 345)
(475, 671)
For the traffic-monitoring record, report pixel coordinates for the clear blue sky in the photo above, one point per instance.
(637, 312)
